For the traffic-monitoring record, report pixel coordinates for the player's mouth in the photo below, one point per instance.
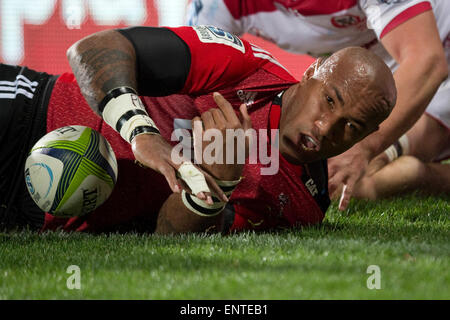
(308, 143)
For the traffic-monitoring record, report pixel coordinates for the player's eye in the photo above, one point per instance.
(330, 101)
(351, 125)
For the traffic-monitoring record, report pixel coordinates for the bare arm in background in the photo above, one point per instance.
(416, 46)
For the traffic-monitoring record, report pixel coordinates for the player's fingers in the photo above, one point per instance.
(208, 120)
(196, 121)
(332, 169)
(195, 179)
(184, 186)
(337, 181)
(346, 195)
(205, 196)
(169, 173)
(226, 108)
(332, 186)
(219, 118)
(246, 120)
(335, 195)
(215, 188)
(197, 138)
(201, 195)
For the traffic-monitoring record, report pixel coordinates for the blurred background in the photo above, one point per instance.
(37, 33)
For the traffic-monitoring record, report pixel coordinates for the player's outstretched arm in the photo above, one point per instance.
(417, 78)
(106, 69)
(101, 62)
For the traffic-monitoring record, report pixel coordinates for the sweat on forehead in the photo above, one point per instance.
(352, 61)
(357, 67)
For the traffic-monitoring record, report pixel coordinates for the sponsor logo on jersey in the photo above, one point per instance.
(312, 188)
(210, 34)
(391, 1)
(346, 21)
(246, 97)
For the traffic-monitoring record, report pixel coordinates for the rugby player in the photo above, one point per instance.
(134, 85)
(411, 36)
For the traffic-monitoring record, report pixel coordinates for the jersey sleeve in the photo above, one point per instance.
(385, 15)
(218, 59)
(193, 60)
(213, 12)
(162, 60)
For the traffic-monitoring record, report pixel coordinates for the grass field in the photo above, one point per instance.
(408, 239)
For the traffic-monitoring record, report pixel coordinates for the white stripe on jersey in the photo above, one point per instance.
(10, 84)
(258, 49)
(13, 88)
(10, 89)
(265, 56)
(13, 95)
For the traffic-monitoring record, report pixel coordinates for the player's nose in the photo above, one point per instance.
(328, 126)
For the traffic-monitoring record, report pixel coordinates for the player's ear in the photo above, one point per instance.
(312, 69)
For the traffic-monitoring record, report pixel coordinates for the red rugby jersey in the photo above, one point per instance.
(241, 72)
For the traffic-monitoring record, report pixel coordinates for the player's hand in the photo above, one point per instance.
(154, 151)
(377, 163)
(344, 171)
(223, 118)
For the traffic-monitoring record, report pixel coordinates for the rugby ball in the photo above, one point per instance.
(71, 171)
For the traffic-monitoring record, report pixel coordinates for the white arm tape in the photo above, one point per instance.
(193, 177)
(203, 209)
(119, 106)
(391, 153)
(402, 144)
(200, 207)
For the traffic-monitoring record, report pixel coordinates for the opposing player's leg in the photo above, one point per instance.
(428, 140)
(406, 174)
(391, 173)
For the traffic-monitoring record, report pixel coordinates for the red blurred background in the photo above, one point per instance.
(37, 33)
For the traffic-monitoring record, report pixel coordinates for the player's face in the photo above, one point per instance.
(322, 119)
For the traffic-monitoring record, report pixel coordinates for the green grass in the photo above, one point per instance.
(407, 238)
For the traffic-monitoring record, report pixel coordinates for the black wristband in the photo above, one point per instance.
(205, 211)
(127, 116)
(114, 93)
(398, 147)
(142, 129)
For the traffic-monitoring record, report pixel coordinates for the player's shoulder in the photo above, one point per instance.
(220, 58)
(218, 43)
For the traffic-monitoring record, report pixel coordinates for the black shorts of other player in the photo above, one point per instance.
(24, 96)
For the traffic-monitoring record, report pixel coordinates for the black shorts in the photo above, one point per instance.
(24, 96)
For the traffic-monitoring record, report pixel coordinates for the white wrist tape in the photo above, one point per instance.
(399, 148)
(391, 153)
(203, 209)
(193, 177)
(404, 143)
(127, 115)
